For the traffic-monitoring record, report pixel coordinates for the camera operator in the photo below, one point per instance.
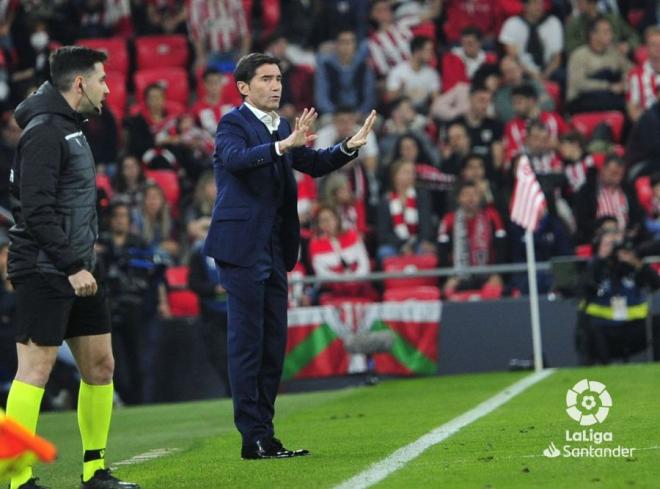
(132, 277)
(614, 308)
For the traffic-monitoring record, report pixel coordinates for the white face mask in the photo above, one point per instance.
(39, 40)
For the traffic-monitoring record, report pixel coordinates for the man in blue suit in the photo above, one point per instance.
(254, 237)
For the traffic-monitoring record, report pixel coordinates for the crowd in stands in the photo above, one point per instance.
(463, 88)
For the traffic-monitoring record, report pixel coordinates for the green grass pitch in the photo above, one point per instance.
(350, 429)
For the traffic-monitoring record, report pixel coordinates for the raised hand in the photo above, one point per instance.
(360, 138)
(301, 134)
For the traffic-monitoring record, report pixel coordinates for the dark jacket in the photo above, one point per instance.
(251, 179)
(53, 189)
(643, 143)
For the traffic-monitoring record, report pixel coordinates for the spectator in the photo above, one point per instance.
(218, 99)
(103, 138)
(389, 42)
(576, 160)
(526, 108)
(128, 274)
(129, 182)
(165, 17)
(153, 223)
(363, 172)
(473, 235)
(577, 28)
(295, 20)
(551, 238)
(404, 217)
(539, 148)
(153, 123)
(7, 15)
(652, 220)
(344, 77)
(642, 81)
(462, 62)
(218, 30)
(474, 170)
(485, 132)
(513, 76)
(457, 146)
(204, 280)
(32, 68)
(104, 18)
(596, 72)
(335, 251)
(198, 216)
(535, 38)
(643, 146)
(339, 195)
(335, 16)
(404, 119)
(415, 79)
(461, 14)
(306, 199)
(612, 316)
(604, 194)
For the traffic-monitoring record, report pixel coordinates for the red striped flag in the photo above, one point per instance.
(528, 200)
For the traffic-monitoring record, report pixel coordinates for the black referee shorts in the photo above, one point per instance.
(48, 311)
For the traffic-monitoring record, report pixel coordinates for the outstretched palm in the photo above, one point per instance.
(360, 138)
(301, 135)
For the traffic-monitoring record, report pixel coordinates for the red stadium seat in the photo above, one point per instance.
(410, 264)
(420, 293)
(644, 192)
(270, 16)
(585, 123)
(583, 251)
(636, 16)
(116, 100)
(175, 81)
(103, 182)
(182, 301)
(161, 51)
(169, 182)
(115, 48)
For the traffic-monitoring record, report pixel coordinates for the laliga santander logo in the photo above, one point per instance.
(588, 402)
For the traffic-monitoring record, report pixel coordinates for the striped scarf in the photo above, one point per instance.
(405, 220)
(613, 202)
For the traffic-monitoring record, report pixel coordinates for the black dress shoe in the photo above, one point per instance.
(273, 448)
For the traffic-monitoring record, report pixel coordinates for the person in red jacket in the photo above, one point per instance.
(335, 251)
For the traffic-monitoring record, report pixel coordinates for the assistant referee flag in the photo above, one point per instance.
(528, 201)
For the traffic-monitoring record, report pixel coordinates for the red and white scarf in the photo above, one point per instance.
(404, 220)
(472, 240)
(613, 202)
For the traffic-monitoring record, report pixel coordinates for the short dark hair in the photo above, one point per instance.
(418, 42)
(525, 90)
(211, 70)
(70, 61)
(248, 64)
(470, 157)
(536, 124)
(597, 20)
(471, 31)
(614, 158)
(153, 86)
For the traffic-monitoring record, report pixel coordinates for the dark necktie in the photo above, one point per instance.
(535, 45)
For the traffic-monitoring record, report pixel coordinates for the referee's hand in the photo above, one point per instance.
(83, 283)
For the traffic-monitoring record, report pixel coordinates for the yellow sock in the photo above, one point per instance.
(23, 405)
(94, 413)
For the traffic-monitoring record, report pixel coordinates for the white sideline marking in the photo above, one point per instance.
(380, 470)
(146, 456)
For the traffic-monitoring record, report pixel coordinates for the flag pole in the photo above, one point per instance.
(534, 301)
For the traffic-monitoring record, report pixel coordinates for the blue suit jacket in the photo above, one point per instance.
(248, 177)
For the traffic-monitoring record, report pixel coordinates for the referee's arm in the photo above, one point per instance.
(41, 155)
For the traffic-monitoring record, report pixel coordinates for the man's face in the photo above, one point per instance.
(653, 43)
(469, 199)
(533, 10)
(213, 84)
(480, 101)
(155, 100)
(511, 72)
(537, 141)
(474, 169)
(522, 106)
(471, 45)
(346, 45)
(381, 13)
(458, 139)
(264, 89)
(121, 220)
(96, 91)
(425, 54)
(345, 124)
(602, 35)
(611, 175)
